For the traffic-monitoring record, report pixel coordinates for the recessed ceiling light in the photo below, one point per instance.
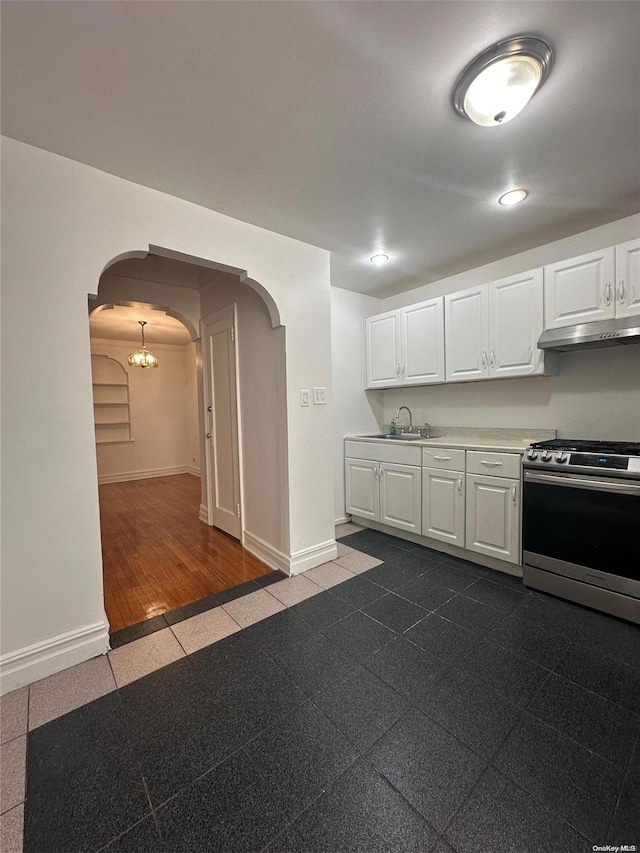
(500, 82)
(379, 260)
(513, 197)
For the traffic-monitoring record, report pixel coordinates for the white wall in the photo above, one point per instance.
(263, 419)
(63, 223)
(192, 409)
(354, 410)
(163, 406)
(587, 241)
(181, 300)
(596, 393)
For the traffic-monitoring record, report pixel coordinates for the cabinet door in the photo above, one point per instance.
(400, 496)
(382, 334)
(579, 290)
(516, 321)
(466, 320)
(362, 488)
(493, 517)
(628, 279)
(443, 505)
(422, 341)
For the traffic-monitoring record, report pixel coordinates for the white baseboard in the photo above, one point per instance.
(203, 515)
(127, 476)
(298, 562)
(267, 553)
(316, 555)
(344, 520)
(32, 663)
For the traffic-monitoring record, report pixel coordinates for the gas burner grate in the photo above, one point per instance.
(619, 448)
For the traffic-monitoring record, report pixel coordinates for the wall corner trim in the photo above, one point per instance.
(298, 562)
(267, 553)
(47, 657)
(316, 555)
(203, 514)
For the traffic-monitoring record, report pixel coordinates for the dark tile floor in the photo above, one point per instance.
(426, 705)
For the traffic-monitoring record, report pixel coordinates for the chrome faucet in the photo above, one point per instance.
(410, 416)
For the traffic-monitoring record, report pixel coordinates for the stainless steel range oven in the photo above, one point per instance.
(581, 523)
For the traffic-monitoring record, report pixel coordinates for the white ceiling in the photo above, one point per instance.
(331, 122)
(120, 323)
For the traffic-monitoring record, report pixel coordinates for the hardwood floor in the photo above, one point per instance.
(157, 555)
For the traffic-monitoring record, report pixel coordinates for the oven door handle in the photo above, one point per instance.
(590, 483)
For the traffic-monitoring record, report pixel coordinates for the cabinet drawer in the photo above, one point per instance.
(444, 458)
(494, 464)
(383, 451)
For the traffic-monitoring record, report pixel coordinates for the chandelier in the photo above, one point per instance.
(142, 357)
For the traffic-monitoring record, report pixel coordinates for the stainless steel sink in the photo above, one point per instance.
(403, 436)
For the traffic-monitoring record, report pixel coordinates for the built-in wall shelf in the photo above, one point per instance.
(110, 401)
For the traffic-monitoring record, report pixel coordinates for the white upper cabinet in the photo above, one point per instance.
(580, 290)
(422, 342)
(383, 353)
(467, 334)
(628, 279)
(516, 321)
(406, 346)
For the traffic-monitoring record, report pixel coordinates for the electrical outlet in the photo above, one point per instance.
(304, 398)
(319, 396)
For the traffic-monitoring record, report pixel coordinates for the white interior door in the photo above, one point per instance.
(221, 401)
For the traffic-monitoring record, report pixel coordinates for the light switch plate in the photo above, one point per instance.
(304, 398)
(319, 396)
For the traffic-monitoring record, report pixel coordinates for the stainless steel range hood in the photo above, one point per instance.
(604, 333)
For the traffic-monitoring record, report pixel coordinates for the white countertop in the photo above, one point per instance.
(498, 440)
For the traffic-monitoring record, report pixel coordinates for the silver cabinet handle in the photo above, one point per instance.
(493, 358)
(403, 368)
(490, 464)
(459, 485)
(514, 495)
(398, 369)
(376, 472)
(607, 293)
(443, 458)
(621, 292)
(484, 359)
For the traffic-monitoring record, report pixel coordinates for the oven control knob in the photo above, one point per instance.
(532, 454)
(546, 456)
(561, 457)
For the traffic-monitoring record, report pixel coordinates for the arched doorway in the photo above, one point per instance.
(170, 559)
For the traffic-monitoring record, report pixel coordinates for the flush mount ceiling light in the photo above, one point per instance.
(500, 82)
(379, 260)
(142, 357)
(512, 197)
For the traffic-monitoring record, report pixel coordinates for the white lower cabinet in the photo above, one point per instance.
(493, 517)
(384, 492)
(443, 505)
(400, 498)
(363, 491)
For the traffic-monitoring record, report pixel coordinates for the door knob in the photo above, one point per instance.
(208, 435)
